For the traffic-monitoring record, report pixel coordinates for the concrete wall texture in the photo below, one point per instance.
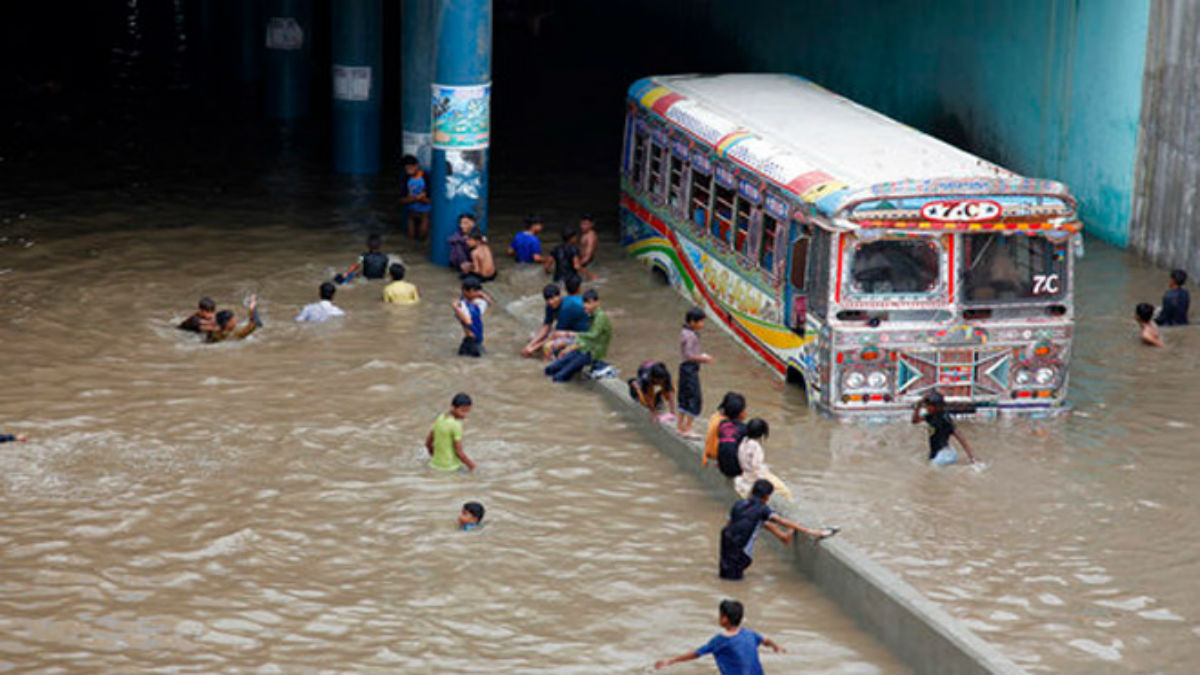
(1047, 88)
(1165, 210)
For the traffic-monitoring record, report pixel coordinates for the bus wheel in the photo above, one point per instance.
(660, 275)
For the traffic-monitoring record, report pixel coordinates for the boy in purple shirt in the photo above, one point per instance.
(735, 649)
(689, 399)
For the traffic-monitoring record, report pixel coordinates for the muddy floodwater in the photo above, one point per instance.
(265, 505)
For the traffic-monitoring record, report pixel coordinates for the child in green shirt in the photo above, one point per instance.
(444, 441)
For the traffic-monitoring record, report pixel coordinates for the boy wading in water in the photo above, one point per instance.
(444, 441)
(932, 409)
(1148, 333)
(689, 399)
(746, 519)
(735, 649)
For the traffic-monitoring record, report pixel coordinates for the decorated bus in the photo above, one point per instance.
(852, 254)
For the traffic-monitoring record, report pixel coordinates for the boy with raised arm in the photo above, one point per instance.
(226, 327)
(932, 410)
(444, 441)
(735, 649)
(746, 519)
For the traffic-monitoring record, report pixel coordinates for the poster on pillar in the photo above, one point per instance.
(284, 33)
(352, 83)
(461, 119)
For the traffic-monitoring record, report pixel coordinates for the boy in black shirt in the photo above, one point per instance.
(565, 256)
(1175, 301)
(941, 428)
(746, 519)
(373, 264)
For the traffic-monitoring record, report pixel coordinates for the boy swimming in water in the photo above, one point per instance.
(226, 327)
(735, 649)
(204, 319)
(932, 409)
(471, 516)
(372, 263)
(1149, 335)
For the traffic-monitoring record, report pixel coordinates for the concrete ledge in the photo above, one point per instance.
(918, 632)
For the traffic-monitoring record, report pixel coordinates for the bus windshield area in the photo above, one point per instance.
(889, 266)
(1012, 267)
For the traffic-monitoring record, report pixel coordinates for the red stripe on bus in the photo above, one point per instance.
(664, 103)
(800, 184)
(952, 263)
(726, 317)
(837, 290)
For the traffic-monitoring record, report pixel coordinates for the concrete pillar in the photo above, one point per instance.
(417, 58)
(288, 34)
(357, 84)
(461, 119)
(247, 21)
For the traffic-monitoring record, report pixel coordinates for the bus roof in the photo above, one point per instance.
(821, 146)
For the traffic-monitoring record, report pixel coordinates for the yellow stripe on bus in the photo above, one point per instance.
(652, 96)
(772, 337)
(821, 189)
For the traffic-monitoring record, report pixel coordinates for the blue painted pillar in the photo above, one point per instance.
(288, 43)
(357, 82)
(417, 57)
(248, 42)
(461, 117)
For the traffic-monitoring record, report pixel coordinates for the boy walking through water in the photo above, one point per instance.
(735, 649)
(932, 409)
(469, 311)
(444, 441)
(688, 397)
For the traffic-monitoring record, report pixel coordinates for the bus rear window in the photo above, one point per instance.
(742, 238)
(723, 210)
(1001, 267)
(701, 195)
(894, 266)
(656, 168)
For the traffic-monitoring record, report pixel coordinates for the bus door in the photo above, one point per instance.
(795, 283)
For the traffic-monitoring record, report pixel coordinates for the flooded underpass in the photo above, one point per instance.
(265, 506)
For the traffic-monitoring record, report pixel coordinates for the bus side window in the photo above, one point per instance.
(675, 184)
(741, 241)
(639, 160)
(817, 276)
(766, 249)
(654, 187)
(701, 197)
(722, 223)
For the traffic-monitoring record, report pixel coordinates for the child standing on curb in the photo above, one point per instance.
(689, 398)
(444, 441)
(735, 649)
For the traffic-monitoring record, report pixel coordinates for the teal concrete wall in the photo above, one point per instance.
(1048, 88)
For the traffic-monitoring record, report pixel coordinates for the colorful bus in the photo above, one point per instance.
(867, 261)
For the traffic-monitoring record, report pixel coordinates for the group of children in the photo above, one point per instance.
(1173, 312)
(219, 326)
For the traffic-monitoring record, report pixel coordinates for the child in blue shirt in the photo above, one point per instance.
(526, 247)
(1175, 301)
(471, 516)
(469, 311)
(417, 200)
(735, 649)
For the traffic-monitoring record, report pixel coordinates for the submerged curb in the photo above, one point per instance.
(917, 631)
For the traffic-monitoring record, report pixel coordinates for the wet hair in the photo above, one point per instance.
(591, 294)
(758, 428)
(693, 315)
(732, 405)
(206, 304)
(327, 290)
(397, 271)
(550, 291)
(475, 509)
(374, 242)
(460, 400)
(533, 219)
(475, 234)
(472, 283)
(466, 214)
(569, 233)
(1179, 277)
(223, 317)
(935, 398)
(409, 160)
(587, 216)
(1144, 312)
(762, 488)
(733, 611)
(572, 283)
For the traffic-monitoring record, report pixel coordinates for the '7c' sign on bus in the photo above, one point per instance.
(971, 210)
